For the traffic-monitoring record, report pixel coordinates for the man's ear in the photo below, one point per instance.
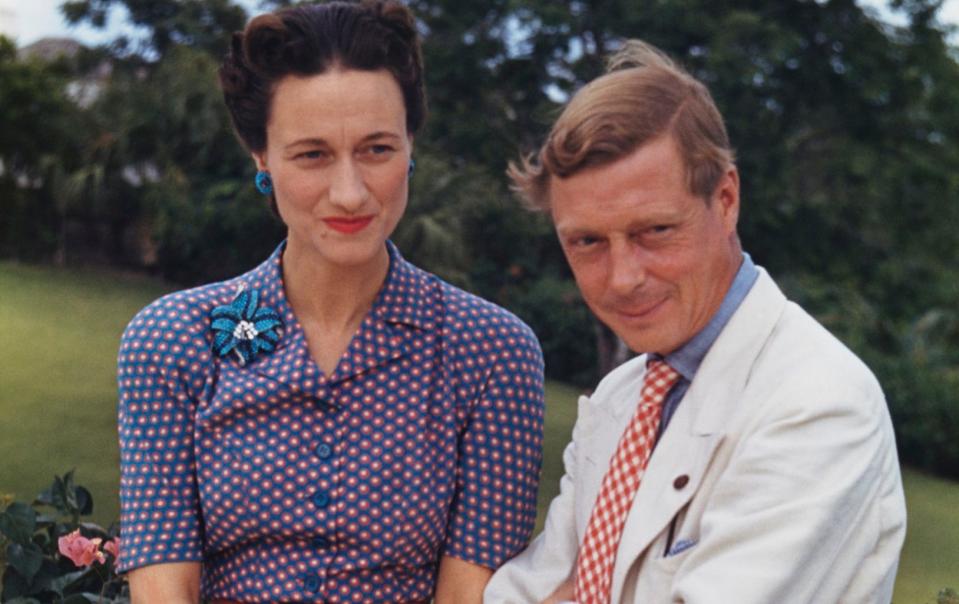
(727, 196)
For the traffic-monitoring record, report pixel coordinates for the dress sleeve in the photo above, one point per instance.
(499, 458)
(160, 517)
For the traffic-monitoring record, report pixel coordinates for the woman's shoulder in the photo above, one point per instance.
(174, 331)
(478, 323)
(184, 312)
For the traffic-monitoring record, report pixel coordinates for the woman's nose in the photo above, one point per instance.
(348, 190)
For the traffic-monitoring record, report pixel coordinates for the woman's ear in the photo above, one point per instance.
(260, 160)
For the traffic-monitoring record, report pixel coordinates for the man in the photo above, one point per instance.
(747, 456)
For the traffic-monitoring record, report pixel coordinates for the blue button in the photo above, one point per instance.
(323, 451)
(321, 542)
(311, 583)
(321, 499)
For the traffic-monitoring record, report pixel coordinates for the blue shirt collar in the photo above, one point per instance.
(687, 358)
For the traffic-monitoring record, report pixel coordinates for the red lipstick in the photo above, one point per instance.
(348, 224)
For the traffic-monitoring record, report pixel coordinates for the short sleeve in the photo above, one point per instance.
(160, 517)
(500, 454)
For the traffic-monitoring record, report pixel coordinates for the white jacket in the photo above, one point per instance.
(778, 473)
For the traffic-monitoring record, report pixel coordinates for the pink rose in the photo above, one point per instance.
(82, 551)
(112, 547)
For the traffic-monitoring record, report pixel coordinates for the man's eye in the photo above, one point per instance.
(585, 241)
(660, 229)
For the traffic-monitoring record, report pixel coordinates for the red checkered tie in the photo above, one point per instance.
(594, 567)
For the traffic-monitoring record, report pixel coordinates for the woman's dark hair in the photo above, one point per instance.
(308, 40)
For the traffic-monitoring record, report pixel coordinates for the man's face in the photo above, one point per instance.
(652, 260)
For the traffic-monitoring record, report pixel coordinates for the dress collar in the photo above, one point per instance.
(402, 298)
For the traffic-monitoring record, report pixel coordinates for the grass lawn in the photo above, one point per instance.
(58, 406)
(61, 330)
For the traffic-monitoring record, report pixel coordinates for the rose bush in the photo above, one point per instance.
(48, 555)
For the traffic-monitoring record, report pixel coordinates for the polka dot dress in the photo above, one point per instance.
(292, 485)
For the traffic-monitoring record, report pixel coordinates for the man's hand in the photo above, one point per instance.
(563, 593)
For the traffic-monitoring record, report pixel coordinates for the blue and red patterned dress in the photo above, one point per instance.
(292, 485)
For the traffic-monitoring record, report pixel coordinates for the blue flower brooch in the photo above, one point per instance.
(242, 328)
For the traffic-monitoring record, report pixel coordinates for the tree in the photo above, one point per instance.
(845, 130)
(37, 131)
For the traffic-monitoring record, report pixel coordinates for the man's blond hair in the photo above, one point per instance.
(642, 96)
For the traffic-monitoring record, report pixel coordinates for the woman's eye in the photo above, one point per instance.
(312, 154)
(377, 150)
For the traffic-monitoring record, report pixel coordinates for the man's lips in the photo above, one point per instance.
(348, 224)
(638, 312)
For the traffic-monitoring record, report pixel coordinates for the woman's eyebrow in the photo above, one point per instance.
(318, 141)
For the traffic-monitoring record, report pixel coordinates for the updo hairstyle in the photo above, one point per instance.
(311, 39)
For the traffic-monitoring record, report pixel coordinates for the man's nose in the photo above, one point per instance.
(627, 270)
(348, 190)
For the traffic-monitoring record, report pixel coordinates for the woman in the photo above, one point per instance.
(336, 424)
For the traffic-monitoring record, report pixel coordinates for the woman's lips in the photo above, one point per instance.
(348, 225)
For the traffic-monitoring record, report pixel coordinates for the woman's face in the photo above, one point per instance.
(338, 153)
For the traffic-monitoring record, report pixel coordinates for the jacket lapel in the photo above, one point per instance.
(697, 428)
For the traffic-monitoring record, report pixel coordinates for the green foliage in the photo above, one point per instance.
(845, 128)
(947, 596)
(36, 567)
(203, 24)
(36, 119)
(196, 193)
(922, 401)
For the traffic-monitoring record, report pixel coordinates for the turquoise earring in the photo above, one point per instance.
(264, 184)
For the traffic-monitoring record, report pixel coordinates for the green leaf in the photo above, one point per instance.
(14, 587)
(49, 572)
(69, 494)
(92, 529)
(66, 497)
(61, 583)
(54, 496)
(84, 598)
(84, 501)
(26, 560)
(18, 522)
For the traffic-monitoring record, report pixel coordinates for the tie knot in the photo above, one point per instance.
(660, 377)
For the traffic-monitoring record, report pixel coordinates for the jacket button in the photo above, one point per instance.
(323, 451)
(681, 481)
